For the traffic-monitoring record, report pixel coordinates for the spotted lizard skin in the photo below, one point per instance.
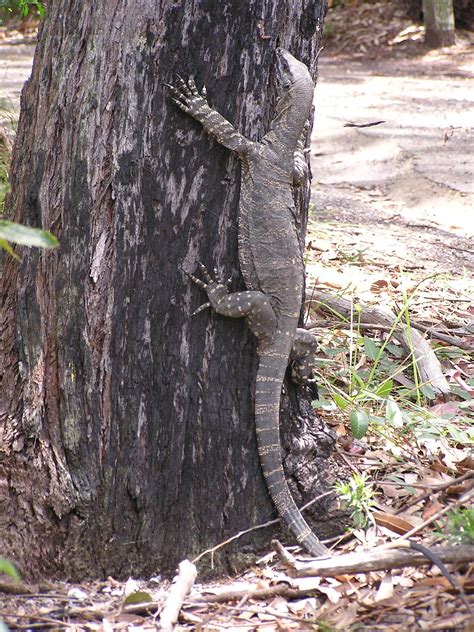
(270, 260)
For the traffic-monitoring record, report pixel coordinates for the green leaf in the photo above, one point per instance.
(427, 391)
(393, 414)
(395, 350)
(8, 568)
(458, 435)
(370, 348)
(320, 403)
(6, 246)
(341, 402)
(137, 597)
(385, 388)
(26, 236)
(359, 422)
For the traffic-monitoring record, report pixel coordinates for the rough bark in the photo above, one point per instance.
(438, 17)
(127, 438)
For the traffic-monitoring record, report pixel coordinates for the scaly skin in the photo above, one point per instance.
(270, 260)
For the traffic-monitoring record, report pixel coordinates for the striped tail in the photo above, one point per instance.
(271, 371)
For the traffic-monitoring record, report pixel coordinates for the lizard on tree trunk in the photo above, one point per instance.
(271, 262)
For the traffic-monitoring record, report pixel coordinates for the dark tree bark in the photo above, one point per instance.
(127, 440)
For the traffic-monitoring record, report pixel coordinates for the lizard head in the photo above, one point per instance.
(295, 95)
(290, 71)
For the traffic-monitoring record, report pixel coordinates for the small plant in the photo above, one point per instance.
(22, 7)
(460, 526)
(10, 231)
(9, 569)
(359, 496)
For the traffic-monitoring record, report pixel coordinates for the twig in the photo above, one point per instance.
(270, 523)
(270, 611)
(454, 341)
(180, 588)
(32, 617)
(22, 588)
(280, 590)
(446, 574)
(285, 556)
(460, 501)
(439, 487)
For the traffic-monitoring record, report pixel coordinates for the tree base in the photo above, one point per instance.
(438, 39)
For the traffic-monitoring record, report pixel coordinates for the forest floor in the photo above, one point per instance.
(391, 225)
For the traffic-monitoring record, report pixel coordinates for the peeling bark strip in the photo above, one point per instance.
(122, 416)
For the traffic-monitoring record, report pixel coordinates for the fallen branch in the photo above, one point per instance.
(411, 340)
(380, 560)
(450, 339)
(180, 588)
(280, 590)
(14, 587)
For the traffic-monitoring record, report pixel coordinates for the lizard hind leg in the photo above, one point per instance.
(302, 356)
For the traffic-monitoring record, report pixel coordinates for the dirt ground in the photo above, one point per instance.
(407, 183)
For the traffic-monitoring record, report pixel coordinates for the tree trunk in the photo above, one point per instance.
(438, 17)
(128, 440)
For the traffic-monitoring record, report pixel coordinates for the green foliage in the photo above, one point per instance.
(379, 389)
(9, 569)
(10, 231)
(139, 596)
(359, 422)
(460, 526)
(359, 496)
(26, 236)
(21, 8)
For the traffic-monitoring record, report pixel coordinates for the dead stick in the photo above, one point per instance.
(280, 590)
(380, 559)
(439, 487)
(180, 588)
(454, 341)
(465, 498)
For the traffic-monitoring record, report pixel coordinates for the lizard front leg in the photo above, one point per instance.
(252, 305)
(187, 97)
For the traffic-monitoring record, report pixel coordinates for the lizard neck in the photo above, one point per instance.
(293, 110)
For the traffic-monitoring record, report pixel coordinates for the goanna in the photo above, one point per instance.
(270, 260)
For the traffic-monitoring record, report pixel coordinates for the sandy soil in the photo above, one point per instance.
(410, 179)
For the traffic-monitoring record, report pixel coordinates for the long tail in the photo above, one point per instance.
(271, 371)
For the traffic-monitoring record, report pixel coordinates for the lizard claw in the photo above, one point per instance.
(200, 309)
(193, 278)
(206, 274)
(192, 86)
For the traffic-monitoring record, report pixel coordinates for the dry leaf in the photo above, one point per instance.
(394, 523)
(385, 590)
(332, 594)
(431, 510)
(379, 286)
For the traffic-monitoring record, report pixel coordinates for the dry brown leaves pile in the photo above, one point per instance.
(372, 30)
